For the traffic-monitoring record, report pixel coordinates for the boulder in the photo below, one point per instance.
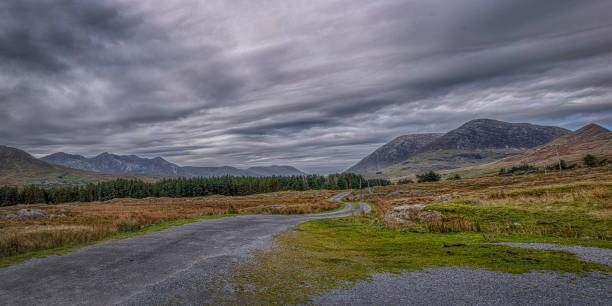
(443, 198)
(407, 215)
(409, 207)
(26, 214)
(392, 219)
(478, 202)
(429, 216)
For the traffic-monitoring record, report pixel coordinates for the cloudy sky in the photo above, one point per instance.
(317, 84)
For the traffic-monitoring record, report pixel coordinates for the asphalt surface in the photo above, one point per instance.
(175, 265)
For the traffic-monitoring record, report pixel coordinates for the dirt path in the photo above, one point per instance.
(175, 265)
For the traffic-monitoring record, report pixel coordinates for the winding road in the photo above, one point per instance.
(175, 265)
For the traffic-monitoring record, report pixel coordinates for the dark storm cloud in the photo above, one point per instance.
(315, 84)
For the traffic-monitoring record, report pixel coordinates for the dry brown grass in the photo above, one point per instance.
(575, 204)
(87, 222)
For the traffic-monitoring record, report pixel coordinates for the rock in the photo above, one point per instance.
(407, 215)
(429, 216)
(443, 198)
(25, 214)
(392, 219)
(410, 212)
(478, 202)
(409, 207)
(516, 224)
(57, 216)
(11, 217)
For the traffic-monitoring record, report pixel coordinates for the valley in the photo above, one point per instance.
(499, 209)
(277, 245)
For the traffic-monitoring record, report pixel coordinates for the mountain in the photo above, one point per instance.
(116, 164)
(134, 165)
(17, 167)
(214, 171)
(475, 142)
(590, 139)
(395, 151)
(486, 134)
(276, 171)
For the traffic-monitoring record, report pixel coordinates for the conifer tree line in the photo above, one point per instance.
(180, 187)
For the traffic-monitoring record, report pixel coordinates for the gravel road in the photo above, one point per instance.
(591, 254)
(171, 266)
(463, 286)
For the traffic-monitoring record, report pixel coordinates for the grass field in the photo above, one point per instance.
(574, 208)
(86, 223)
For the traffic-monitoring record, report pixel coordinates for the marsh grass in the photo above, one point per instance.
(87, 223)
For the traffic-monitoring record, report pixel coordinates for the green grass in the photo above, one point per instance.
(554, 212)
(330, 253)
(9, 261)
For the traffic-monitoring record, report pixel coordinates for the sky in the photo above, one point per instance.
(316, 84)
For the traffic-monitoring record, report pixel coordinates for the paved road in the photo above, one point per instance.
(171, 266)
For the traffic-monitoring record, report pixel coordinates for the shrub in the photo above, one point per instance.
(405, 181)
(232, 210)
(523, 168)
(428, 177)
(563, 166)
(590, 160)
(456, 176)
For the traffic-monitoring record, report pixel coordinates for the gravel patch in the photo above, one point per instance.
(590, 254)
(464, 286)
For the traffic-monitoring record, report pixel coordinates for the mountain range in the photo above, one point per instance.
(132, 164)
(475, 142)
(20, 168)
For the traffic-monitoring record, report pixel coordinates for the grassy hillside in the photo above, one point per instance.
(591, 139)
(20, 168)
(442, 159)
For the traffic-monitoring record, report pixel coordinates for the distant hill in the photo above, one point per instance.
(590, 139)
(395, 151)
(17, 167)
(475, 142)
(116, 164)
(276, 171)
(134, 165)
(214, 171)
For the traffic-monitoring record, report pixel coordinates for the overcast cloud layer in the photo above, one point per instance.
(313, 84)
